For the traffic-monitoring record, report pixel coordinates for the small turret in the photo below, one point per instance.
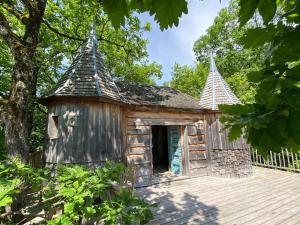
(216, 91)
(87, 75)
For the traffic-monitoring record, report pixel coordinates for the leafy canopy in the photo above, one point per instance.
(166, 12)
(232, 59)
(188, 79)
(273, 121)
(65, 27)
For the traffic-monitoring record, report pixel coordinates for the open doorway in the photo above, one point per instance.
(160, 149)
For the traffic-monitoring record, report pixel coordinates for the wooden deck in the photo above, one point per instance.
(269, 197)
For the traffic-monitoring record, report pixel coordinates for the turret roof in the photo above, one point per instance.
(87, 75)
(216, 91)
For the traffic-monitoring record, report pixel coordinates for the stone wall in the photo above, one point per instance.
(231, 163)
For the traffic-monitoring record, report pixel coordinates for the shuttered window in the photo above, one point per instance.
(53, 127)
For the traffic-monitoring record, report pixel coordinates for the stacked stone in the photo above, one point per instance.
(231, 163)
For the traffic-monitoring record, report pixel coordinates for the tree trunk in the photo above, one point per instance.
(17, 113)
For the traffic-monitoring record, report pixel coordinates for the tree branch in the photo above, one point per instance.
(54, 30)
(16, 13)
(6, 33)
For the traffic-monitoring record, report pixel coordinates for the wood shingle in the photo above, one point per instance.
(87, 75)
(216, 91)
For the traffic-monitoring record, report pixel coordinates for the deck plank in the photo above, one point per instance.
(268, 197)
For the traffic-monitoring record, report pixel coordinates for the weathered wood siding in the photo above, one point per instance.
(88, 133)
(198, 155)
(139, 146)
(217, 136)
(227, 158)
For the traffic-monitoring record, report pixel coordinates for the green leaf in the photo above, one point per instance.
(235, 109)
(6, 200)
(294, 126)
(258, 36)
(116, 11)
(76, 184)
(235, 132)
(256, 76)
(267, 9)
(69, 207)
(168, 12)
(286, 47)
(247, 9)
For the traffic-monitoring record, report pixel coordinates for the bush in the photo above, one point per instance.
(74, 195)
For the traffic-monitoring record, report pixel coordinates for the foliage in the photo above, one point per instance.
(223, 38)
(82, 195)
(273, 121)
(241, 86)
(166, 12)
(64, 29)
(232, 59)
(189, 79)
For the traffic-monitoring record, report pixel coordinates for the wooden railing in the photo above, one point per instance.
(283, 160)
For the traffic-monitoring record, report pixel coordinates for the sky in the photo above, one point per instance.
(176, 44)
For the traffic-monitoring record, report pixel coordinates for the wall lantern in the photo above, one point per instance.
(138, 123)
(199, 124)
(72, 119)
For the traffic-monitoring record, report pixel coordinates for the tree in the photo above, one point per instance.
(223, 38)
(232, 59)
(189, 79)
(20, 30)
(273, 121)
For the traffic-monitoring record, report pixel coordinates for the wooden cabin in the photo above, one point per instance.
(93, 118)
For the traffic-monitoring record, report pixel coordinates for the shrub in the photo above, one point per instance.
(74, 195)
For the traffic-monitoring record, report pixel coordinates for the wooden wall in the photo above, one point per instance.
(139, 146)
(198, 155)
(88, 133)
(227, 158)
(217, 136)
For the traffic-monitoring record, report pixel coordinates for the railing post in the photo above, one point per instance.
(288, 157)
(282, 153)
(293, 162)
(271, 155)
(275, 159)
(297, 163)
(256, 156)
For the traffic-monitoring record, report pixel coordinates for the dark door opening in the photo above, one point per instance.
(160, 148)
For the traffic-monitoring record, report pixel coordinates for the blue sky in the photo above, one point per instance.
(176, 44)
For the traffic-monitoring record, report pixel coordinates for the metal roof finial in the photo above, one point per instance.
(92, 40)
(213, 67)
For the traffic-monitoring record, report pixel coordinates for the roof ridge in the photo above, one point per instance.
(94, 41)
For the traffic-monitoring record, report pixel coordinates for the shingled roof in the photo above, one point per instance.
(87, 75)
(216, 91)
(146, 95)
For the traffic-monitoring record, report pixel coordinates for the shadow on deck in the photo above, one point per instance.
(172, 209)
(268, 197)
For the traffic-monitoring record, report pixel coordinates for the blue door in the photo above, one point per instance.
(175, 159)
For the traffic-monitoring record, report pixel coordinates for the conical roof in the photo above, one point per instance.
(216, 91)
(87, 75)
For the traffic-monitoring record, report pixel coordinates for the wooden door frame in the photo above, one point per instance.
(185, 150)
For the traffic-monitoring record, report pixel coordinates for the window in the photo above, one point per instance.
(53, 127)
